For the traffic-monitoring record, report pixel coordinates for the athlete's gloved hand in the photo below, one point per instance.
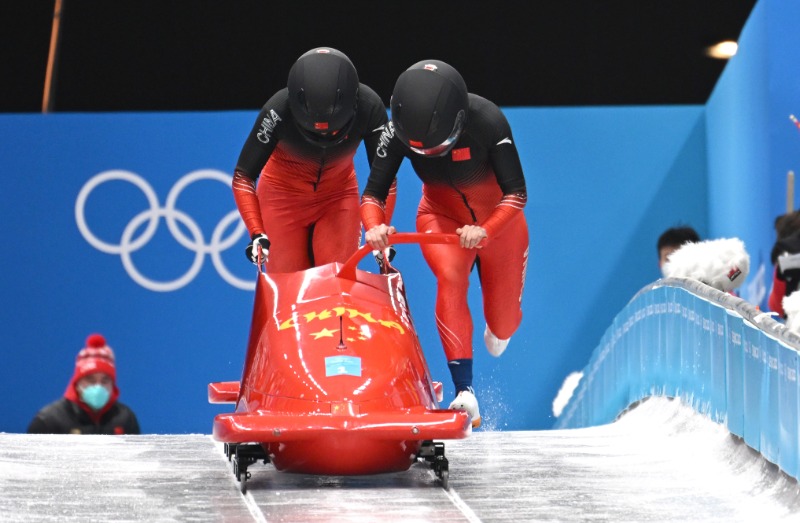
(259, 240)
(382, 256)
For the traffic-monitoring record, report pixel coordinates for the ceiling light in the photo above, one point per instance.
(723, 50)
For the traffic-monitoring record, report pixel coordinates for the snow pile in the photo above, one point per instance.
(565, 393)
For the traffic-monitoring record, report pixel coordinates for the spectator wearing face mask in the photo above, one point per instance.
(89, 405)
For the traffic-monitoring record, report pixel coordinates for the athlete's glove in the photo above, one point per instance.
(259, 240)
(381, 256)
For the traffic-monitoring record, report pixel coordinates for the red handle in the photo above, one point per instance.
(348, 270)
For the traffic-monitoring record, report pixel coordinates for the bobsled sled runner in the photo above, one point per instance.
(335, 380)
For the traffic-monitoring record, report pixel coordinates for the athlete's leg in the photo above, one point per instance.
(337, 233)
(451, 265)
(288, 251)
(503, 264)
(287, 228)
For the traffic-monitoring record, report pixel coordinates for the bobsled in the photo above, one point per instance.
(335, 381)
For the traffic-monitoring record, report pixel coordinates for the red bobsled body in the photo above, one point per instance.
(335, 380)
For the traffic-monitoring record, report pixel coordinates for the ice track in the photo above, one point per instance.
(659, 462)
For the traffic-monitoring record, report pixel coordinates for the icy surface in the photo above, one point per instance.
(660, 462)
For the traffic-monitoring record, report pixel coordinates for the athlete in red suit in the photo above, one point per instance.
(461, 147)
(304, 211)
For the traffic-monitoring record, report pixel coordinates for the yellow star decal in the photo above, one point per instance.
(352, 328)
(324, 333)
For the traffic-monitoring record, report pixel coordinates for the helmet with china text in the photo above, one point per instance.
(323, 95)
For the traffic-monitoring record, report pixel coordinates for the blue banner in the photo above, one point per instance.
(125, 224)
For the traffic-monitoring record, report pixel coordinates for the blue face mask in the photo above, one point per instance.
(96, 396)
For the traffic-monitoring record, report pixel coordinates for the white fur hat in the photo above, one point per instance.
(723, 264)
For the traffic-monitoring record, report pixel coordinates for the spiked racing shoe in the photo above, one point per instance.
(494, 345)
(466, 400)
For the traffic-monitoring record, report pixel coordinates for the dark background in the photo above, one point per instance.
(143, 55)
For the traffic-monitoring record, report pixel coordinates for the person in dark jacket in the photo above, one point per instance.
(785, 256)
(90, 404)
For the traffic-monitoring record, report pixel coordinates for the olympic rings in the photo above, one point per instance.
(196, 243)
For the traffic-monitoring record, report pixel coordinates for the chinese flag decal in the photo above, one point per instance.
(461, 155)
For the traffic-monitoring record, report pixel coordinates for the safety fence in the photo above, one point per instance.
(724, 357)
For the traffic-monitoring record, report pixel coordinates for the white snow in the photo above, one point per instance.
(565, 392)
(661, 461)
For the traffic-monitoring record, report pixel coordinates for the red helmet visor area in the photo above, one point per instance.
(326, 138)
(429, 107)
(444, 147)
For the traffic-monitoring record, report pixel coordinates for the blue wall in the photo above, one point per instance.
(603, 183)
(752, 144)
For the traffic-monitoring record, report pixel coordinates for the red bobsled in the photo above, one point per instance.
(335, 381)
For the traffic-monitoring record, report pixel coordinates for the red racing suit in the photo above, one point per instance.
(479, 182)
(306, 201)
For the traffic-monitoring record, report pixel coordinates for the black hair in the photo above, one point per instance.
(787, 224)
(677, 236)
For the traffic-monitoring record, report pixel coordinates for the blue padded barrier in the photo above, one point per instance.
(788, 408)
(717, 353)
(718, 318)
(753, 386)
(734, 350)
(770, 408)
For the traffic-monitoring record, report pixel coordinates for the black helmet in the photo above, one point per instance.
(323, 92)
(429, 107)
